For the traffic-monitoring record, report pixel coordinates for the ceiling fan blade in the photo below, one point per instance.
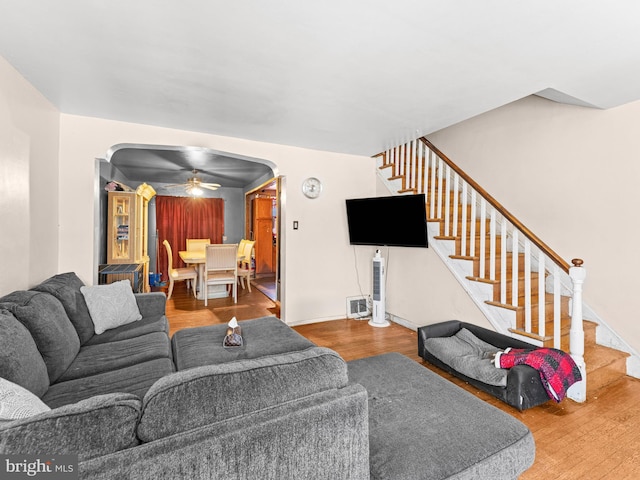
(195, 183)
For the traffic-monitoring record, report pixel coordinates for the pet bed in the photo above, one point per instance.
(519, 386)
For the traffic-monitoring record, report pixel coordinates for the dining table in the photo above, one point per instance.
(198, 259)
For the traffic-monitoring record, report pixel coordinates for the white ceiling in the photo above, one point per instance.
(349, 76)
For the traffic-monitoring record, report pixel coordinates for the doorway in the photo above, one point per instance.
(262, 224)
(169, 169)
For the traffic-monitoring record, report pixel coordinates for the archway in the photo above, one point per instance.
(168, 168)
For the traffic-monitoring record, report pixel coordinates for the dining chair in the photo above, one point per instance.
(245, 269)
(178, 274)
(221, 268)
(197, 244)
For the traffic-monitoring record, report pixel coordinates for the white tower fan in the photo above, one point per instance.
(378, 317)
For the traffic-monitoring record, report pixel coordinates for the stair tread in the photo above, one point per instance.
(535, 303)
(444, 237)
(534, 275)
(463, 257)
(587, 325)
(597, 356)
(604, 366)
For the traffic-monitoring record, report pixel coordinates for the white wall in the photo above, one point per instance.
(28, 183)
(318, 268)
(571, 175)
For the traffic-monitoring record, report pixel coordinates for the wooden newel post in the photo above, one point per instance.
(577, 273)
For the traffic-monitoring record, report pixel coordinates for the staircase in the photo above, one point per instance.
(523, 288)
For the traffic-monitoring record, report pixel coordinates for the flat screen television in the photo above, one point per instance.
(396, 221)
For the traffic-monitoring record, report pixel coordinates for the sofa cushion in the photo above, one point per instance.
(212, 393)
(151, 324)
(135, 379)
(66, 288)
(90, 428)
(17, 402)
(111, 305)
(20, 360)
(422, 426)
(104, 357)
(48, 323)
(199, 346)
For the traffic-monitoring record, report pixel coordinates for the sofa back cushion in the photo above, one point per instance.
(20, 360)
(212, 393)
(46, 320)
(66, 288)
(96, 426)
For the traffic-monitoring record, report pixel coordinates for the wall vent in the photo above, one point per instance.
(358, 307)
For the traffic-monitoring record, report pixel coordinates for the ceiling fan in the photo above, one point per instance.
(194, 186)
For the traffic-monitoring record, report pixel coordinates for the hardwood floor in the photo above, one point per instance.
(185, 311)
(599, 439)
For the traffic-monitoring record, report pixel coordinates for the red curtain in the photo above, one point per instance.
(179, 218)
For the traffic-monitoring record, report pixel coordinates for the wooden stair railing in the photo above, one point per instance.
(527, 276)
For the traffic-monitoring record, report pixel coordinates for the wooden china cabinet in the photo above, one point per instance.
(127, 237)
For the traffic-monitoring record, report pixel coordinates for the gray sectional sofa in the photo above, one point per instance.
(118, 401)
(134, 404)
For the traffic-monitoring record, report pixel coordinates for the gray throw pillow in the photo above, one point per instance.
(111, 305)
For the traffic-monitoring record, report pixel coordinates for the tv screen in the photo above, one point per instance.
(397, 221)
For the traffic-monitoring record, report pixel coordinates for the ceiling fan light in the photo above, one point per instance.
(194, 190)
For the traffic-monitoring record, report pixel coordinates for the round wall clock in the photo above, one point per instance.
(312, 187)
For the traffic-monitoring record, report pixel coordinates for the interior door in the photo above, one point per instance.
(262, 225)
